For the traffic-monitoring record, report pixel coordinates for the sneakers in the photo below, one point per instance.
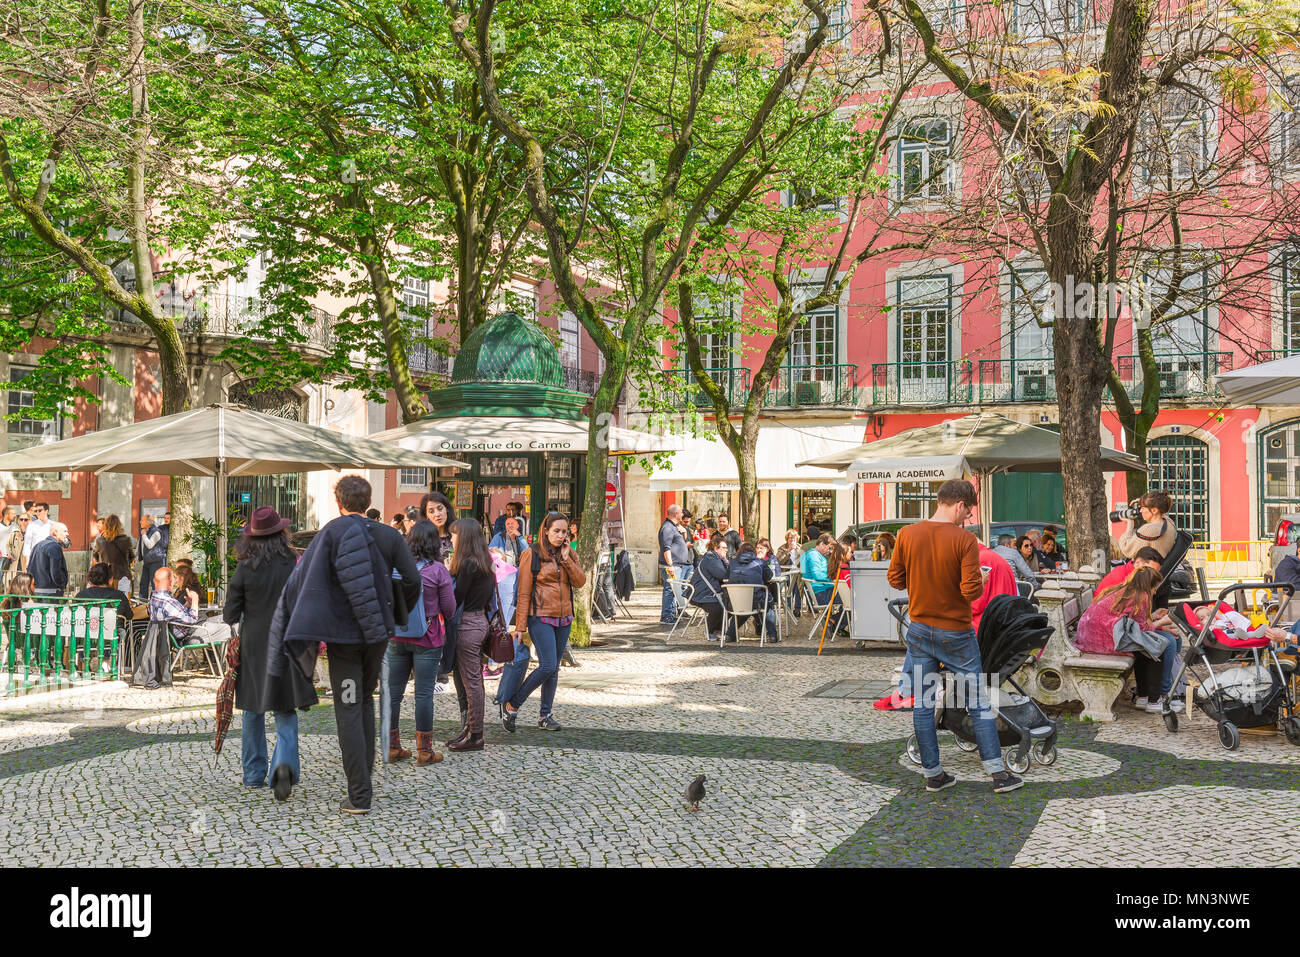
(490, 673)
(508, 718)
(1005, 781)
(1141, 703)
(347, 807)
(939, 782)
(1154, 706)
(1178, 706)
(549, 724)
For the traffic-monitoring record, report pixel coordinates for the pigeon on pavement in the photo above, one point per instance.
(695, 793)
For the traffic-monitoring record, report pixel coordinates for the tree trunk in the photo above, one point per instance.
(409, 398)
(593, 503)
(1079, 397)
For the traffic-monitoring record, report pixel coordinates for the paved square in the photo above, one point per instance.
(796, 776)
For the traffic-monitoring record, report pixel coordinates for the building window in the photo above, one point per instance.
(813, 346)
(413, 478)
(569, 339)
(1291, 301)
(945, 16)
(1036, 19)
(1031, 301)
(924, 324)
(1176, 145)
(33, 431)
(1184, 328)
(1279, 475)
(840, 22)
(1288, 141)
(924, 170)
(804, 198)
(1180, 465)
(916, 499)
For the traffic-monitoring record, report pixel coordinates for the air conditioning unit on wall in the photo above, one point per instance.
(1033, 386)
(808, 393)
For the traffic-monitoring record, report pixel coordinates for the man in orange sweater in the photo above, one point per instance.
(938, 563)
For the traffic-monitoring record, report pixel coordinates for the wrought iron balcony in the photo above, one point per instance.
(833, 385)
(424, 361)
(1017, 380)
(586, 381)
(218, 314)
(923, 383)
(1181, 376)
(683, 390)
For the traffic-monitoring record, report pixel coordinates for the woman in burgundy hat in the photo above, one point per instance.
(265, 563)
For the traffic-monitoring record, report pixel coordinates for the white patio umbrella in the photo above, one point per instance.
(217, 441)
(1267, 383)
(979, 445)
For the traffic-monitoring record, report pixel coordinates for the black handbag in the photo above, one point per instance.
(498, 645)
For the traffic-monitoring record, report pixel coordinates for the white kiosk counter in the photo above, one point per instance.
(871, 595)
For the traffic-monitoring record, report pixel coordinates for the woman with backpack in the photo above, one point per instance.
(421, 654)
(548, 574)
(471, 567)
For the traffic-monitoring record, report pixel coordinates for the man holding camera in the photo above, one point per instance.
(1156, 531)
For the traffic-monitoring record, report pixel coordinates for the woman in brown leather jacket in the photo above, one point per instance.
(549, 574)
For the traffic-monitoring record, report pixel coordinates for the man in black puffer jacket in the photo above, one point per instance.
(343, 593)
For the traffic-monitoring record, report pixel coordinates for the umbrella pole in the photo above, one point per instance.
(219, 493)
(986, 506)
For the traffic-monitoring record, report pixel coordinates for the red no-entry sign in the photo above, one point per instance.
(611, 493)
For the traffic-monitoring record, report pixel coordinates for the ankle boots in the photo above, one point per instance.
(395, 750)
(424, 748)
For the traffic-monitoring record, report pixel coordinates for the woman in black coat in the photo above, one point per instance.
(265, 563)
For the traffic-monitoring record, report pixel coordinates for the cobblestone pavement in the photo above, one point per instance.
(116, 776)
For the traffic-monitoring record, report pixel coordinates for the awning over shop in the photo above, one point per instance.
(516, 435)
(707, 464)
(1268, 383)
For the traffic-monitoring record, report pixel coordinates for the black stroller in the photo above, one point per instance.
(1012, 630)
(1251, 688)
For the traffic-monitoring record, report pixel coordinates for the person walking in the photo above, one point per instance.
(265, 562)
(937, 563)
(548, 574)
(674, 563)
(420, 656)
(11, 551)
(471, 568)
(151, 552)
(344, 593)
(113, 548)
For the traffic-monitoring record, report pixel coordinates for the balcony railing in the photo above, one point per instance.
(814, 386)
(581, 380)
(923, 383)
(1181, 376)
(1268, 355)
(424, 361)
(1017, 380)
(684, 390)
(218, 314)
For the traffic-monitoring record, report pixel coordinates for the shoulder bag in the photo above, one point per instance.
(498, 645)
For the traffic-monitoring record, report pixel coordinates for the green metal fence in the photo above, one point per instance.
(828, 384)
(53, 641)
(1181, 376)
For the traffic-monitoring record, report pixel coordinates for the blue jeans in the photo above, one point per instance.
(1169, 660)
(550, 643)
(669, 611)
(252, 739)
(513, 673)
(959, 652)
(403, 658)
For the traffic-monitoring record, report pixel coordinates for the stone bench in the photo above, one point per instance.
(1063, 673)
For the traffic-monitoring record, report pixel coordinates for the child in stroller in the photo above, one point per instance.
(1012, 630)
(1243, 683)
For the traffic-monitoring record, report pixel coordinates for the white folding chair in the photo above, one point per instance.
(814, 604)
(682, 592)
(741, 598)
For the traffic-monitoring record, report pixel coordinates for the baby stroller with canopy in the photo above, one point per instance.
(1011, 632)
(1243, 683)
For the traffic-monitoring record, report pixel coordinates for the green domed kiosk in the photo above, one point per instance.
(507, 412)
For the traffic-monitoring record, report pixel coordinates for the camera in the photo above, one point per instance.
(1125, 512)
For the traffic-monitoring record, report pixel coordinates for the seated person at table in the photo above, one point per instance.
(837, 566)
(1096, 633)
(1049, 558)
(709, 594)
(99, 585)
(184, 618)
(187, 583)
(1015, 556)
(814, 567)
(748, 569)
